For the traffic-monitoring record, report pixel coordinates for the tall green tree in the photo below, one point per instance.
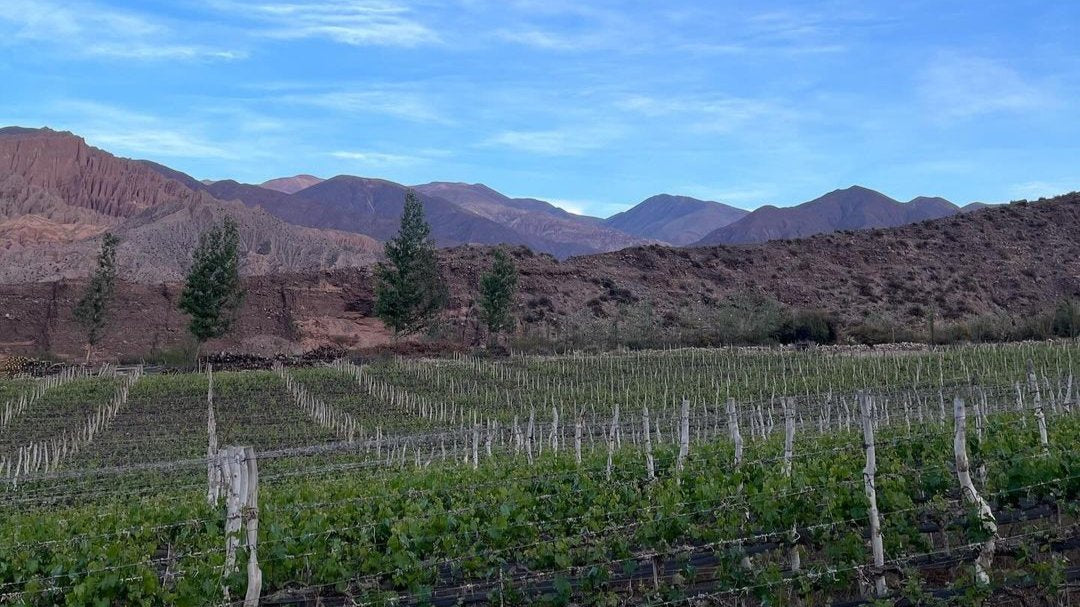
(213, 294)
(93, 308)
(409, 289)
(1066, 320)
(497, 288)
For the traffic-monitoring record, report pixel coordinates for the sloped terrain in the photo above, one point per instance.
(678, 220)
(372, 207)
(291, 185)
(1015, 259)
(57, 194)
(576, 234)
(854, 208)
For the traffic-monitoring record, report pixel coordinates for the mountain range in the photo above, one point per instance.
(994, 269)
(853, 208)
(679, 220)
(57, 194)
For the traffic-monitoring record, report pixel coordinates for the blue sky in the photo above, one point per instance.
(594, 105)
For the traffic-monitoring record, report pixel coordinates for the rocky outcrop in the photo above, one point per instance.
(57, 194)
(288, 313)
(83, 176)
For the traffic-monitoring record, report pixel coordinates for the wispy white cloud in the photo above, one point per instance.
(555, 25)
(556, 142)
(376, 158)
(88, 29)
(398, 102)
(1042, 189)
(747, 196)
(786, 24)
(600, 36)
(122, 131)
(543, 39)
(825, 28)
(956, 86)
(715, 114)
(577, 207)
(581, 206)
(145, 51)
(352, 22)
(705, 29)
(156, 141)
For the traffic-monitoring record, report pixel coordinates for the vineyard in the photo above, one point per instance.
(680, 477)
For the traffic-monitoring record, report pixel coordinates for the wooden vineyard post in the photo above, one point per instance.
(789, 434)
(650, 469)
(1020, 406)
(789, 450)
(980, 418)
(518, 440)
(876, 545)
(475, 443)
(251, 522)
(611, 440)
(684, 435)
(555, 429)
(577, 438)
(529, 435)
(963, 473)
(1040, 416)
(733, 428)
(213, 469)
(240, 472)
(1066, 402)
(230, 460)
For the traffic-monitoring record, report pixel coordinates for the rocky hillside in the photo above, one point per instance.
(58, 194)
(569, 233)
(1012, 259)
(1015, 259)
(291, 185)
(372, 207)
(854, 208)
(56, 189)
(57, 175)
(677, 220)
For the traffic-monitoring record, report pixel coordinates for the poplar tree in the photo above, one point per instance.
(213, 293)
(93, 308)
(409, 289)
(497, 289)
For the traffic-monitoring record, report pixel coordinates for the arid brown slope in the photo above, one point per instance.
(1016, 259)
(80, 175)
(281, 314)
(679, 220)
(372, 208)
(854, 208)
(291, 185)
(57, 193)
(569, 234)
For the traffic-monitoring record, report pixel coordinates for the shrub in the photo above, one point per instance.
(814, 326)
(1066, 320)
(879, 330)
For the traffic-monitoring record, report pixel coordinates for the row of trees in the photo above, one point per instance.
(212, 291)
(410, 288)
